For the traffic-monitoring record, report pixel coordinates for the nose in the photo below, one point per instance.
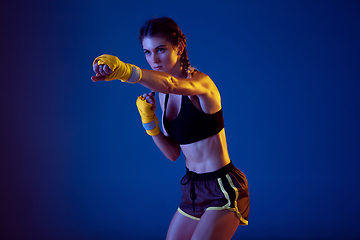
(155, 58)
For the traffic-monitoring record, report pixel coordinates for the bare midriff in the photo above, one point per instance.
(207, 155)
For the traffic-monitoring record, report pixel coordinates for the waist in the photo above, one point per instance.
(211, 175)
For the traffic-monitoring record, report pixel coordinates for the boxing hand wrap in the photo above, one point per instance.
(148, 117)
(125, 72)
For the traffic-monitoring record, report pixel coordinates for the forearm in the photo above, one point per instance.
(145, 104)
(157, 81)
(168, 146)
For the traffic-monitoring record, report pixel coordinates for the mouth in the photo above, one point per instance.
(157, 68)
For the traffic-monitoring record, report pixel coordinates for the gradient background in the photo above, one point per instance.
(75, 162)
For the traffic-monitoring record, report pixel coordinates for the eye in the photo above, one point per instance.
(147, 52)
(161, 50)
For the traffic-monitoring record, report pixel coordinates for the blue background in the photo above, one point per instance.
(75, 162)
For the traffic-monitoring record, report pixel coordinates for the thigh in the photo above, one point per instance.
(216, 224)
(181, 227)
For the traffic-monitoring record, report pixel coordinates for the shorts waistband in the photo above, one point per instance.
(210, 175)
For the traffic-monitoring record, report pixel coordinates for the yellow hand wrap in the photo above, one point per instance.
(126, 72)
(148, 117)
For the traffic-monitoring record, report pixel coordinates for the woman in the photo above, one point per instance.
(215, 194)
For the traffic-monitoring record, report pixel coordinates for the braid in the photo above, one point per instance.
(185, 62)
(185, 59)
(166, 27)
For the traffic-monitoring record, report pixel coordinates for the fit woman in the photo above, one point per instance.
(215, 197)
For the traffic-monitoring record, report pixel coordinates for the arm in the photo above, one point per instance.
(147, 105)
(109, 67)
(165, 83)
(168, 146)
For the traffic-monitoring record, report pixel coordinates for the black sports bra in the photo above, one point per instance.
(192, 125)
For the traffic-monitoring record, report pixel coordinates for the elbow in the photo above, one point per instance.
(173, 159)
(170, 85)
(174, 155)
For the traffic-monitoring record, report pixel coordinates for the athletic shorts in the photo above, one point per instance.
(223, 189)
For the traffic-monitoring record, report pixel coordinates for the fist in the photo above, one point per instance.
(101, 71)
(150, 98)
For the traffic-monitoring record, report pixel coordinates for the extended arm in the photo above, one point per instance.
(109, 67)
(166, 83)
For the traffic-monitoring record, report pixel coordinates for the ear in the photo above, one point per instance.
(181, 48)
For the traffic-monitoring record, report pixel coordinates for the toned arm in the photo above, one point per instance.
(163, 82)
(168, 146)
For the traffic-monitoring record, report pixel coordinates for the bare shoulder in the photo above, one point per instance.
(207, 82)
(197, 75)
(204, 80)
(210, 101)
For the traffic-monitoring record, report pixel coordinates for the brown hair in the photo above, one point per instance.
(167, 28)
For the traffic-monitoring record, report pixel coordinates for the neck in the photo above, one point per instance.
(178, 71)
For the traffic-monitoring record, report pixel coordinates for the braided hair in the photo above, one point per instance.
(167, 28)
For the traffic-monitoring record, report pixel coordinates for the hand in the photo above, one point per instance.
(108, 67)
(101, 71)
(146, 105)
(150, 98)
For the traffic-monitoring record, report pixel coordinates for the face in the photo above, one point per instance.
(161, 55)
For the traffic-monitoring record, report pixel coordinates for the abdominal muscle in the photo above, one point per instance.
(207, 155)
